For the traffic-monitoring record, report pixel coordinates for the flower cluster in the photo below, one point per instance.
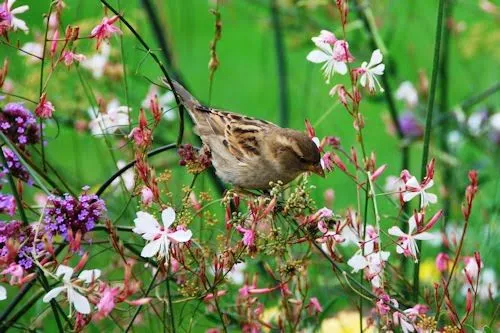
(19, 124)
(8, 20)
(195, 161)
(18, 245)
(72, 217)
(15, 167)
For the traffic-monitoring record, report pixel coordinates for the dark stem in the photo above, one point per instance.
(180, 135)
(471, 101)
(428, 124)
(170, 307)
(281, 63)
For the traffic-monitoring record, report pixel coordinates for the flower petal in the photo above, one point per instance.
(407, 196)
(146, 225)
(152, 248)
(3, 293)
(65, 271)
(89, 276)
(357, 262)
(376, 58)
(395, 231)
(180, 236)
(168, 217)
(424, 236)
(340, 67)
(378, 70)
(53, 294)
(80, 302)
(318, 56)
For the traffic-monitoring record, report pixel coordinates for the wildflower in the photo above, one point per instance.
(15, 167)
(314, 307)
(7, 18)
(75, 299)
(146, 196)
(3, 293)
(368, 71)
(407, 244)
(19, 125)
(374, 264)
(116, 116)
(128, 177)
(98, 62)
(332, 52)
(494, 128)
(7, 204)
(237, 273)
(406, 92)
(166, 102)
(68, 215)
(413, 189)
(70, 57)
(105, 30)
(442, 261)
(107, 302)
(340, 90)
(44, 109)
(158, 237)
(248, 236)
(410, 126)
(476, 123)
(195, 161)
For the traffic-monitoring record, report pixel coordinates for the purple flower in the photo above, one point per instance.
(19, 125)
(68, 213)
(7, 204)
(13, 232)
(15, 167)
(410, 125)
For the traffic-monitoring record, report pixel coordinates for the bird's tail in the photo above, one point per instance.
(185, 96)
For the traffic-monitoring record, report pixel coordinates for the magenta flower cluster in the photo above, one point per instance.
(19, 124)
(15, 167)
(14, 231)
(67, 213)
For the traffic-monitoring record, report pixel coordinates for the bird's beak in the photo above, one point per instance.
(317, 169)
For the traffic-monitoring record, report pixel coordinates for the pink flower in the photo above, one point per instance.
(325, 36)
(407, 244)
(369, 71)
(146, 196)
(107, 302)
(472, 269)
(314, 307)
(105, 30)
(70, 57)
(248, 236)
(44, 109)
(15, 271)
(442, 260)
(7, 17)
(341, 91)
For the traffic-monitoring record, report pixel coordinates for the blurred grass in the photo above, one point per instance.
(246, 82)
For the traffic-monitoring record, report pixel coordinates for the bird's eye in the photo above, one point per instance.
(302, 159)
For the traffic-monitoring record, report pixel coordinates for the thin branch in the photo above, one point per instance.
(428, 123)
(139, 308)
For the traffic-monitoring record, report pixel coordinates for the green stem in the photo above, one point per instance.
(428, 123)
(139, 308)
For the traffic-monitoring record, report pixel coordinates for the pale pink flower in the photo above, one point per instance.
(407, 244)
(340, 90)
(442, 261)
(116, 116)
(97, 63)
(105, 30)
(146, 196)
(3, 293)
(314, 307)
(325, 36)
(370, 70)
(45, 108)
(373, 263)
(10, 13)
(159, 237)
(107, 302)
(413, 189)
(471, 269)
(15, 271)
(166, 102)
(70, 57)
(248, 236)
(333, 56)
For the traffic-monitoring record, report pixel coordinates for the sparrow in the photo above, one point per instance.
(250, 153)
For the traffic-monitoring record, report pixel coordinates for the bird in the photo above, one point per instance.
(250, 153)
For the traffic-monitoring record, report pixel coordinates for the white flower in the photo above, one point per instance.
(476, 122)
(159, 237)
(394, 185)
(373, 261)
(30, 49)
(413, 189)
(407, 244)
(237, 274)
(334, 58)
(406, 92)
(76, 299)
(369, 70)
(97, 63)
(495, 122)
(487, 285)
(16, 23)
(109, 122)
(128, 177)
(3, 293)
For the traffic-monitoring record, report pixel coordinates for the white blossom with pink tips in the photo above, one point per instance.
(15, 23)
(407, 244)
(413, 189)
(332, 53)
(370, 70)
(159, 237)
(75, 299)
